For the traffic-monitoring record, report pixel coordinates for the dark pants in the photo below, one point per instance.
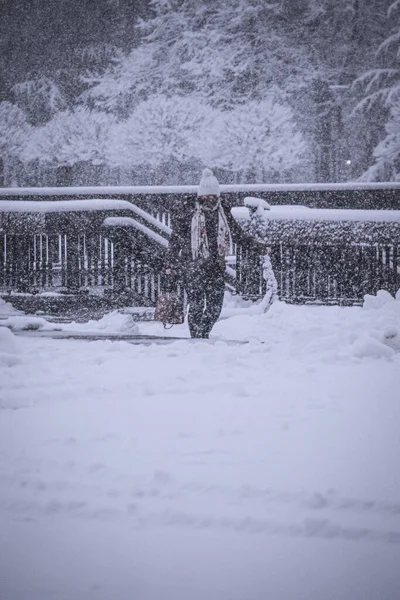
(205, 288)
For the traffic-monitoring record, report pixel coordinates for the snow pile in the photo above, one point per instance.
(8, 342)
(266, 212)
(368, 346)
(8, 348)
(329, 333)
(6, 309)
(235, 301)
(384, 315)
(114, 322)
(28, 323)
(248, 308)
(326, 333)
(381, 299)
(255, 308)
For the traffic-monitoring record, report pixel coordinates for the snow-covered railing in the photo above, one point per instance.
(299, 225)
(159, 199)
(86, 244)
(192, 189)
(296, 213)
(78, 206)
(113, 243)
(128, 222)
(321, 254)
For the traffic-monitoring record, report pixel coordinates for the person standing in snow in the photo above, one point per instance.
(200, 241)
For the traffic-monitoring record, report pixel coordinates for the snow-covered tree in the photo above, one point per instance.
(259, 141)
(71, 137)
(97, 62)
(387, 153)
(343, 34)
(382, 84)
(224, 53)
(256, 141)
(262, 50)
(155, 67)
(378, 107)
(40, 98)
(160, 130)
(14, 133)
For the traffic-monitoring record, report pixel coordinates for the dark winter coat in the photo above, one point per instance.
(203, 279)
(179, 258)
(179, 254)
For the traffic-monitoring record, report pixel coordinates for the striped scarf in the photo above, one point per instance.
(200, 247)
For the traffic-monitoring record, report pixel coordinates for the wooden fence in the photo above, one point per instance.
(68, 263)
(322, 274)
(97, 266)
(76, 255)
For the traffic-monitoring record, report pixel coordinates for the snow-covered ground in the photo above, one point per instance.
(199, 470)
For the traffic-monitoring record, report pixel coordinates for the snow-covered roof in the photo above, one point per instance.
(192, 189)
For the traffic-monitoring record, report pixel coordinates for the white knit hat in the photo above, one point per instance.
(209, 185)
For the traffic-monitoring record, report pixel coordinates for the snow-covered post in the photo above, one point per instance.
(255, 262)
(271, 294)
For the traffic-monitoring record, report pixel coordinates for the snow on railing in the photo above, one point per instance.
(302, 225)
(291, 213)
(192, 189)
(303, 213)
(129, 222)
(95, 204)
